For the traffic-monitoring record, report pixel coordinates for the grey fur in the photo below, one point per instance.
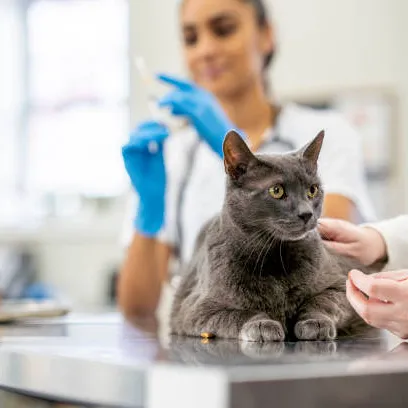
(261, 271)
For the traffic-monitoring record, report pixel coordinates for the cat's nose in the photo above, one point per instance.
(305, 216)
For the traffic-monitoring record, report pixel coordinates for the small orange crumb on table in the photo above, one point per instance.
(207, 335)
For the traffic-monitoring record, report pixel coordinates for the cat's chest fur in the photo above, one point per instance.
(277, 297)
(277, 281)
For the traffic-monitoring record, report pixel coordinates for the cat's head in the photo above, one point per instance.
(279, 194)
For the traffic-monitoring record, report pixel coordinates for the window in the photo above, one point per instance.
(73, 111)
(10, 95)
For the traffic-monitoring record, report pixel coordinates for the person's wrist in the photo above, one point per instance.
(376, 244)
(149, 219)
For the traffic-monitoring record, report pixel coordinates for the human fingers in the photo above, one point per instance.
(381, 289)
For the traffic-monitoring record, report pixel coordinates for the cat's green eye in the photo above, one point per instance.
(277, 191)
(313, 190)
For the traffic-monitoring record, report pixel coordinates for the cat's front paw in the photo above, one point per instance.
(315, 329)
(262, 330)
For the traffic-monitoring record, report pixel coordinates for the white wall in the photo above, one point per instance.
(327, 44)
(153, 35)
(324, 46)
(403, 92)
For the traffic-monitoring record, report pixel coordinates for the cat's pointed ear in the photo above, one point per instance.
(237, 155)
(312, 150)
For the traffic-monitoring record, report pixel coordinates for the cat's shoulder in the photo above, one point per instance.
(208, 231)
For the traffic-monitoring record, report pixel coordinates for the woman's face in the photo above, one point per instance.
(223, 44)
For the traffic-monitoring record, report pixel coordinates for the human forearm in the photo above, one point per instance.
(141, 277)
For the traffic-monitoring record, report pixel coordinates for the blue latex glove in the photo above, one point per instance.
(146, 170)
(200, 108)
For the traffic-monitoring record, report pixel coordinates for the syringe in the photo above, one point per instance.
(161, 115)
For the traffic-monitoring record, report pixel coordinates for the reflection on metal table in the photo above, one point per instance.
(92, 360)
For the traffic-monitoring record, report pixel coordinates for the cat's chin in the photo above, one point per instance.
(299, 237)
(295, 239)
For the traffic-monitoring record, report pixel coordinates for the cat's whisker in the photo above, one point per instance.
(246, 242)
(265, 245)
(254, 239)
(281, 258)
(260, 240)
(253, 243)
(270, 242)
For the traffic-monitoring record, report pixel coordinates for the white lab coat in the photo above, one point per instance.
(395, 233)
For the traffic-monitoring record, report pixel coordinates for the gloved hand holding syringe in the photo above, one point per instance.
(143, 154)
(159, 114)
(191, 102)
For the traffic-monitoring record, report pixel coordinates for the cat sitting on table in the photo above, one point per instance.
(261, 271)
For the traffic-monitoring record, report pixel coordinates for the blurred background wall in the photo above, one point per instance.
(69, 95)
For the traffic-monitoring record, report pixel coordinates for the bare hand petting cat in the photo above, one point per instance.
(363, 243)
(200, 108)
(381, 299)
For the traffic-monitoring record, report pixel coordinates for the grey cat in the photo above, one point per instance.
(261, 271)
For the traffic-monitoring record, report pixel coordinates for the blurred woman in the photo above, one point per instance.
(228, 46)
